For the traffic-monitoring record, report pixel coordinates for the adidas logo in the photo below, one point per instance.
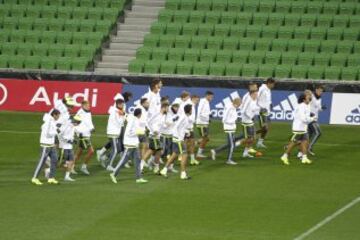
(284, 110)
(219, 107)
(354, 116)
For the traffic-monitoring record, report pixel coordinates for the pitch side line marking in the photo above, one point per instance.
(328, 219)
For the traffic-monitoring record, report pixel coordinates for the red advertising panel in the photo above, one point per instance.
(39, 96)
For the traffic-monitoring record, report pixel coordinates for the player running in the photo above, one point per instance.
(300, 127)
(190, 136)
(131, 143)
(84, 131)
(47, 144)
(202, 122)
(143, 138)
(264, 102)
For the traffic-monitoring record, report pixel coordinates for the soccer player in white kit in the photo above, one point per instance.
(300, 130)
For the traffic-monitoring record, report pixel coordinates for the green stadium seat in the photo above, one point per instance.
(338, 60)
(345, 47)
(152, 67)
(232, 69)
(253, 31)
(182, 41)
(203, 5)
(168, 67)
(244, 18)
(190, 29)
(63, 64)
(347, 8)
(207, 55)
(314, 7)
(324, 21)
(266, 71)
(181, 16)
(250, 6)
(224, 56)
(240, 56)
(65, 12)
(87, 51)
(334, 33)
(5, 10)
(237, 31)
(282, 71)
(9, 48)
(318, 33)
(41, 24)
(302, 33)
(353, 61)
(87, 25)
(298, 7)
(295, 45)
(71, 25)
(9, 23)
(103, 26)
(315, 73)
(25, 2)
(40, 50)
(4, 61)
(276, 19)
(349, 73)
(56, 25)
(116, 4)
(228, 18)
(269, 32)
(41, 2)
(18, 36)
(158, 28)
(188, 5)
(262, 44)
(256, 57)
(328, 46)
(249, 70)
(246, 44)
(151, 40)
(172, 4)
(322, 59)
(331, 8)
(72, 51)
(80, 38)
(289, 58)
(231, 43)
(215, 42)
(351, 34)
(285, 32)
(219, 5)
(56, 50)
(102, 4)
(197, 17)
(48, 63)
(205, 29)
(16, 62)
(312, 46)
(356, 48)
(173, 28)
(24, 49)
(279, 45)
(71, 3)
(18, 11)
(49, 12)
(260, 19)
(191, 55)
(222, 30)
(308, 20)
(95, 14)
(267, 6)
(136, 66)
(167, 41)
(354, 21)
(184, 68)
(213, 17)
(32, 62)
(4, 37)
(292, 20)
(25, 24)
(340, 21)
(159, 54)
(144, 53)
(282, 7)
(305, 59)
(86, 3)
(299, 72)
(198, 42)
(234, 6)
(200, 68)
(217, 69)
(272, 58)
(166, 15)
(63, 38)
(95, 38)
(176, 54)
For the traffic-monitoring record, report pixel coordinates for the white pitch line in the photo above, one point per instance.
(328, 219)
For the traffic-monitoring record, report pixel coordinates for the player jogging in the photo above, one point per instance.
(190, 136)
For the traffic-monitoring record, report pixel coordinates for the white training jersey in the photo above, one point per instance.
(155, 123)
(203, 113)
(115, 122)
(66, 136)
(154, 100)
(264, 98)
(86, 126)
(143, 119)
(192, 118)
(229, 119)
(120, 96)
(131, 138)
(179, 130)
(169, 123)
(48, 131)
(301, 118)
(249, 111)
(315, 105)
(64, 112)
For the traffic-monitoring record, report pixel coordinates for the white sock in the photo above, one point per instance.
(165, 169)
(304, 156)
(261, 140)
(237, 143)
(183, 174)
(285, 155)
(67, 174)
(246, 151)
(84, 166)
(192, 157)
(102, 151)
(171, 166)
(300, 154)
(200, 151)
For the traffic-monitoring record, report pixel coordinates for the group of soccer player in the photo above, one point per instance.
(158, 133)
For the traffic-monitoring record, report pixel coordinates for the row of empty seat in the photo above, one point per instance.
(67, 3)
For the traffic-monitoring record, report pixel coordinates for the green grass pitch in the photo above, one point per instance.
(257, 199)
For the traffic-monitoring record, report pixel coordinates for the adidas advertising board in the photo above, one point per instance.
(284, 102)
(345, 109)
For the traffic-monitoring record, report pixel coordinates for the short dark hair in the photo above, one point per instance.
(164, 98)
(270, 80)
(253, 91)
(55, 112)
(143, 100)
(188, 108)
(163, 105)
(301, 98)
(194, 96)
(119, 101)
(154, 82)
(137, 112)
(184, 94)
(127, 96)
(207, 93)
(319, 86)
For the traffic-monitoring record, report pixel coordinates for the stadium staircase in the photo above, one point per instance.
(130, 35)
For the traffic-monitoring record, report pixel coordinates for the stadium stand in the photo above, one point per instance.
(281, 38)
(54, 34)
